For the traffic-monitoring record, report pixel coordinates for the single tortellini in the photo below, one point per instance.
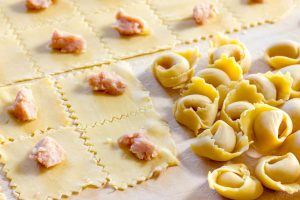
(198, 107)
(275, 87)
(266, 126)
(222, 45)
(291, 144)
(234, 181)
(292, 108)
(294, 71)
(238, 101)
(283, 54)
(174, 69)
(281, 173)
(220, 143)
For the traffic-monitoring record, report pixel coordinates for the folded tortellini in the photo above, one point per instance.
(281, 173)
(291, 144)
(174, 69)
(294, 71)
(223, 75)
(292, 108)
(234, 181)
(283, 54)
(198, 107)
(238, 101)
(275, 87)
(266, 126)
(220, 143)
(223, 45)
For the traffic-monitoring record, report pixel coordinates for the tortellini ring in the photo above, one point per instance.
(291, 144)
(292, 108)
(266, 126)
(174, 69)
(281, 173)
(283, 54)
(235, 182)
(275, 87)
(220, 143)
(222, 45)
(237, 101)
(215, 77)
(198, 107)
(294, 71)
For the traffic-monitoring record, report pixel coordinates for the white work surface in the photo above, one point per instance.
(188, 181)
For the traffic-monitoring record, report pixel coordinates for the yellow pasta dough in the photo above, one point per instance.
(266, 126)
(235, 182)
(31, 181)
(223, 45)
(281, 173)
(276, 87)
(198, 107)
(291, 144)
(294, 71)
(99, 107)
(220, 143)
(237, 101)
(51, 112)
(176, 68)
(283, 54)
(292, 108)
(123, 167)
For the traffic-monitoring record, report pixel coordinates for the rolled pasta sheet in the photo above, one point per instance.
(266, 126)
(281, 173)
(275, 87)
(292, 108)
(235, 182)
(223, 45)
(174, 69)
(220, 143)
(294, 71)
(198, 107)
(282, 54)
(291, 144)
(238, 101)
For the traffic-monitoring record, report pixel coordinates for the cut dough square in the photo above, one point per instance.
(182, 23)
(51, 113)
(91, 107)
(122, 47)
(37, 40)
(32, 181)
(124, 168)
(5, 29)
(251, 14)
(14, 63)
(22, 19)
(96, 5)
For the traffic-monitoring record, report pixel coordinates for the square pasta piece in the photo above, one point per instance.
(4, 26)
(12, 69)
(128, 46)
(51, 112)
(22, 19)
(123, 167)
(182, 23)
(95, 107)
(255, 13)
(96, 5)
(37, 41)
(30, 180)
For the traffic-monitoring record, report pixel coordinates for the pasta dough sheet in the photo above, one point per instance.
(125, 169)
(124, 47)
(93, 107)
(253, 14)
(31, 181)
(12, 69)
(37, 39)
(51, 113)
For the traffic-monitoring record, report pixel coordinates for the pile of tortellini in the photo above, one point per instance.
(232, 112)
